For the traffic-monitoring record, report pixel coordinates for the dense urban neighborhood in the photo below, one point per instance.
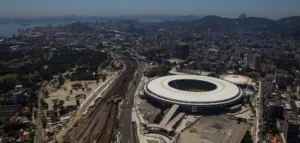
(214, 79)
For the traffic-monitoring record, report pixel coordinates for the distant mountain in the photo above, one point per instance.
(290, 22)
(245, 20)
(165, 17)
(284, 24)
(213, 17)
(255, 21)
(216, 21)
(93, 18)
(77, 27)
(243, 15)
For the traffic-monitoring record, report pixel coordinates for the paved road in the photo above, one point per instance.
(126, 110)
(39, 138)
(259, 114)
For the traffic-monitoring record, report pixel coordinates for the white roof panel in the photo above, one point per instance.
(224, 93)
(236, 79)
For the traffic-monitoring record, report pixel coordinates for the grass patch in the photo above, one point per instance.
(9, 76)
(15, 60)
(193, 130)
(26, 57)
(2, 98)
(31, 75)
(75, 68)
(13, 76)
(4, 63)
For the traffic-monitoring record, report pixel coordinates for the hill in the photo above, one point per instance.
(284, 24)
(292, 23)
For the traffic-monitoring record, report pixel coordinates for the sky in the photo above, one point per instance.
(273, 9)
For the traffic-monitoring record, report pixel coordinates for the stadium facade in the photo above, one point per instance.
(193, 93)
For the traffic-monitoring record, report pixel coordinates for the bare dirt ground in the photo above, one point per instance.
(63, 93)
(214, 129)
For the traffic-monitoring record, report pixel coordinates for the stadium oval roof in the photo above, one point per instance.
(224, 93)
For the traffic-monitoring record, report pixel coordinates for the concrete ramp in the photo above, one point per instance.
(169, 115)
(175, 120)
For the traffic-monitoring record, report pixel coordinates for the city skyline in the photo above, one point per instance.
(273, 9)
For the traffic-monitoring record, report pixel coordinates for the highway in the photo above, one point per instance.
(125, 125)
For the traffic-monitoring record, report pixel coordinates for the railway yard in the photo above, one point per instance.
(98, 124)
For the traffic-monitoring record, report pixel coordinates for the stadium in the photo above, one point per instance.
(192, 92)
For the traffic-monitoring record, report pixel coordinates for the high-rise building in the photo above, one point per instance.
(206, 65)
(291, 131)
(281, 81)
(208, 30)
(297, 103)
(275, 110)
(257, 62)
(172, 45)
(182, 50)
(297, 82)
(289, 79)
(246, 60)
(269, 87)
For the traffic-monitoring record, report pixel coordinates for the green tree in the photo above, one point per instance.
(35, 114)
(103, 78)
(158, 118)
(78, 102)
(46, 93)
(61, 80)
(32, 137)
(55, 107)
(247, 138)
(44, 122)
(61, 103)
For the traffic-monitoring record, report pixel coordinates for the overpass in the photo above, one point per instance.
(169, 115)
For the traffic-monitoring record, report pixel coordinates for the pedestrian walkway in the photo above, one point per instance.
(144, 138)
(92, 96)
(175, 120)
(138, 118)
(169, 115)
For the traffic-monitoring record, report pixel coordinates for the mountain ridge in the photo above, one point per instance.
(289, 23)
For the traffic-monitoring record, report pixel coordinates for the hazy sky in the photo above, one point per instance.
(228, 8)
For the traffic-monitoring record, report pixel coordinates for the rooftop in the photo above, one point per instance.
(297, 104)
(223, 92)
(275, 103)
(236, 79)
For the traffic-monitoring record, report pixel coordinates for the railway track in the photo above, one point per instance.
(109, 125)
(98, 124)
